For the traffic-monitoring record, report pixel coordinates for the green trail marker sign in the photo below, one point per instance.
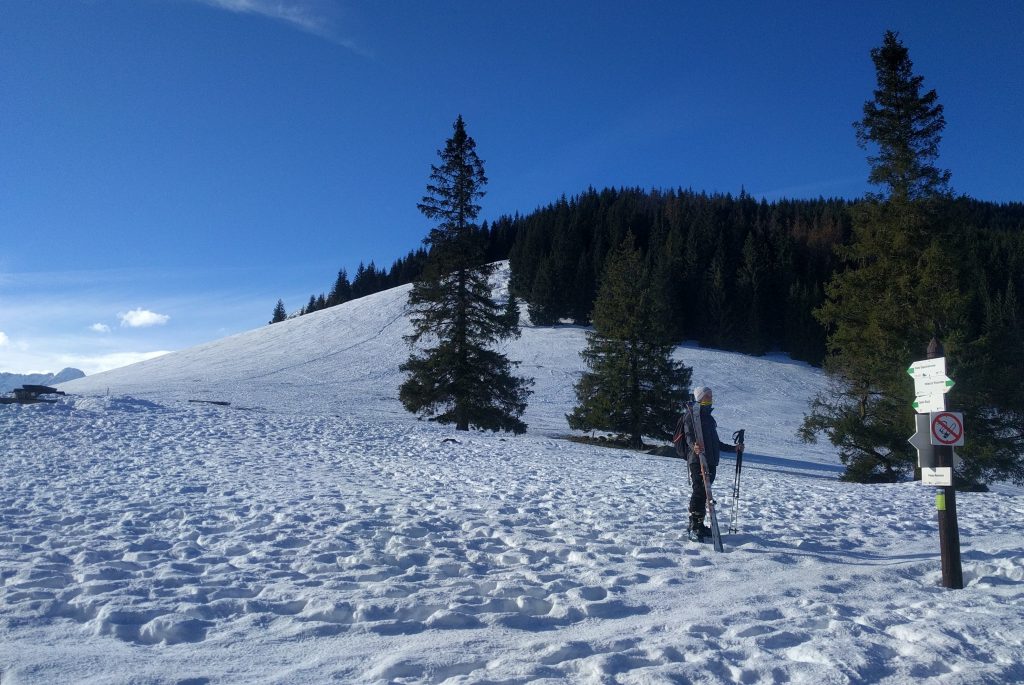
(930, 384)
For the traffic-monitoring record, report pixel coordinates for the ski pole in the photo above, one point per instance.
(737, 439)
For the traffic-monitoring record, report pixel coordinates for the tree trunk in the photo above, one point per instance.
(634, 394)
(461, 410)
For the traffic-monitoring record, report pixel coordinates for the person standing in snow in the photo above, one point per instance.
(714, 446)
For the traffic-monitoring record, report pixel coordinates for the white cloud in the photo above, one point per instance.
(100, 328)
(306, 15)
(4, 339)
(141, 318)
(290, 12)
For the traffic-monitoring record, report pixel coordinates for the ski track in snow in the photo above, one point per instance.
(315, 532)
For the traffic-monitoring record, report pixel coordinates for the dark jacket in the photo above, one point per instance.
(709, 429)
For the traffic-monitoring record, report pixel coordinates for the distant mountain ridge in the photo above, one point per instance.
(10, 381)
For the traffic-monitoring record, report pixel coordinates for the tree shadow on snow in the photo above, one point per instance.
(792, 467)
(842, 553)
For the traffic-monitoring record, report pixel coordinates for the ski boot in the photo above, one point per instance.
(697, 531)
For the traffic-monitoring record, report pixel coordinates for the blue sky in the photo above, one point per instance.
(170, 168)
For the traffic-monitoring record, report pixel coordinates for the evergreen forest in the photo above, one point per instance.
(734, 272)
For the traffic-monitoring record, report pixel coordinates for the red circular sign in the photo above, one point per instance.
(947, 428)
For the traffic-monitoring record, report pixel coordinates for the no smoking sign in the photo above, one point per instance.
(947, 428)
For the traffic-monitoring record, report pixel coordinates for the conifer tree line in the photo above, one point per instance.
(729, 272)
(367, 280)
(370, 279)
(735, 273)
(759, 269)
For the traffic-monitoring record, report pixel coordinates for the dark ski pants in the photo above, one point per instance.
(699, 498)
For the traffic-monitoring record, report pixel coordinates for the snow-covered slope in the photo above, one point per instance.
(328, 362)
(345, 360)
(314, 532)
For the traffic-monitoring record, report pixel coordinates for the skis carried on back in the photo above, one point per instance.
(698, 435)
(737, 439)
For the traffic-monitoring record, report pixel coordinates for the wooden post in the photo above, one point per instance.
(945, 503)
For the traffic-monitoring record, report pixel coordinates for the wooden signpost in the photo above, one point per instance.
(938, 431)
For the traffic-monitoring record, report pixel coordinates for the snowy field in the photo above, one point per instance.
(315, 532)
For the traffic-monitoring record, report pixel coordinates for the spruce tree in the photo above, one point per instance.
(905, 125)
(544, 295)
(750, 297)
(460, 379)
(899, 286)
(359, 282)
(632, 386)
(582, 292)
(279, 313)
(342, 290)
